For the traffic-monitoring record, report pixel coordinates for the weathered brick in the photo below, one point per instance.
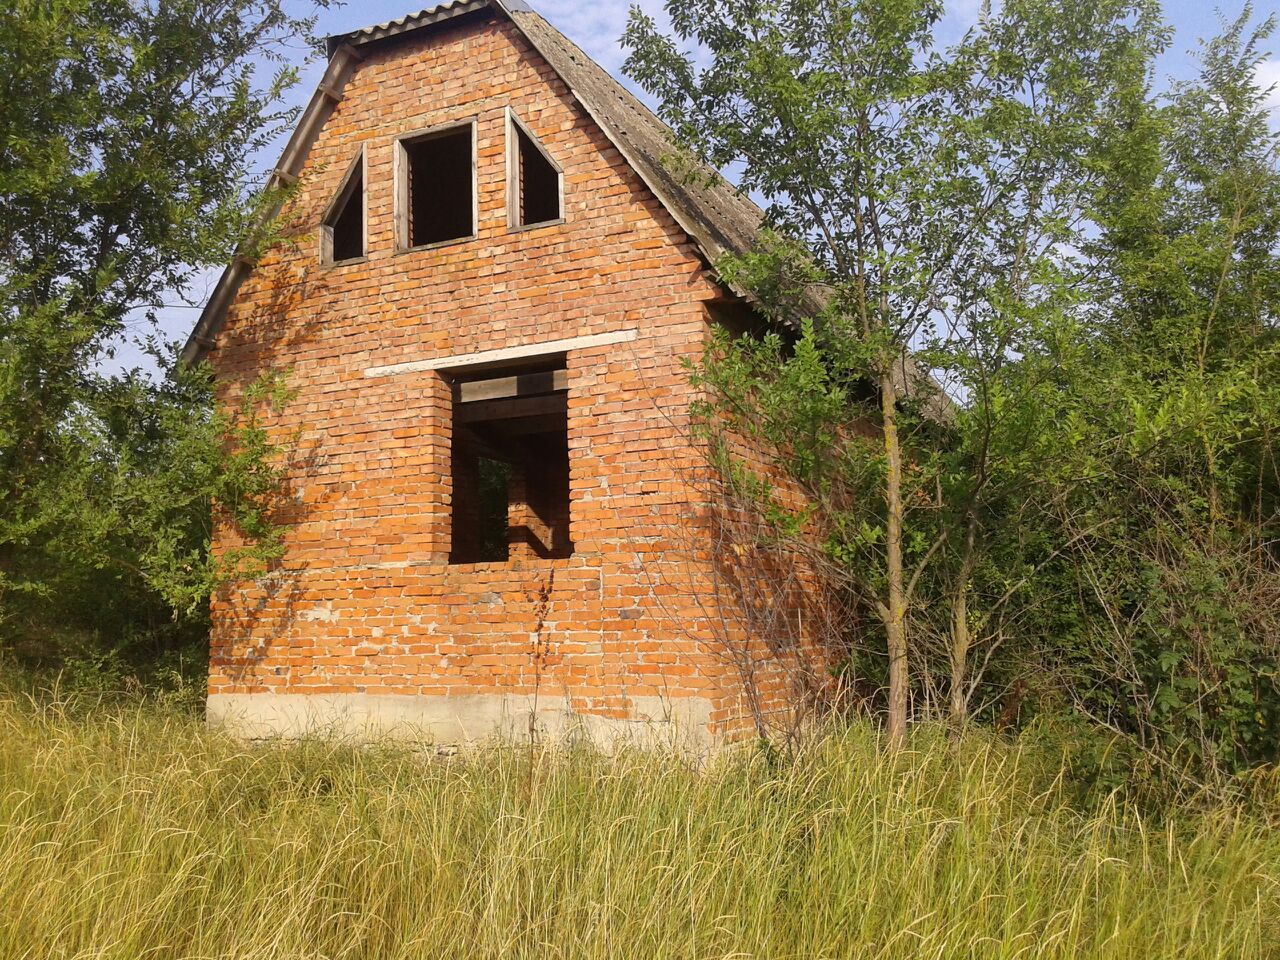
(627, 615)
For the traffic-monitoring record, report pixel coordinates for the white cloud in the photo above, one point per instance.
(965, 13)
(1267, 74)
(596, 26)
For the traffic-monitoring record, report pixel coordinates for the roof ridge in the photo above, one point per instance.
(404, 24)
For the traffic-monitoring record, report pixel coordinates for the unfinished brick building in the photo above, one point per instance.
(483, 321)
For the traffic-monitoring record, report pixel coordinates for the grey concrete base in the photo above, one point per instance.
(681, 723)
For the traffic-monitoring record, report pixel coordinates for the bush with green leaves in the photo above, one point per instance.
(1089, 272)
(129, 129)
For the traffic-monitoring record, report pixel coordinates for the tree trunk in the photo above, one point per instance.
(896, 612)
(960, 638)
(959, 654)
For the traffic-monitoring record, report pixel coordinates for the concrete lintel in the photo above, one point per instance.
(525, 350)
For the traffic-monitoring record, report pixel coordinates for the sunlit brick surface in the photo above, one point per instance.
(365, 601)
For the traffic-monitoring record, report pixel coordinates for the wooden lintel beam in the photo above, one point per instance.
(520, 385)
(508, 408)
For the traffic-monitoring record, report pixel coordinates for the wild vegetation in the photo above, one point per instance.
(127, 135)
(130, 831)
(1024, 366)
(1025, 356)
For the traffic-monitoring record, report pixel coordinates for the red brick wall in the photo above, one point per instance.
(365, 602)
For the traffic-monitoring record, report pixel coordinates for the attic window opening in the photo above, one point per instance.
(342, 229)
(536, 182)
(438, 186)
(510, 461)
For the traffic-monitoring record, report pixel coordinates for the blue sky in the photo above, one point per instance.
(596, 25)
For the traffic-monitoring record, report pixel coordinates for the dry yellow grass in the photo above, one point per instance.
(135, 833)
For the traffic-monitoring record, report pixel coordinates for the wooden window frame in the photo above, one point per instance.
(512, 122)
(359, 162)
(400, 173)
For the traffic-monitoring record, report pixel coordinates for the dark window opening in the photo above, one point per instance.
(510, 468)
(538, 199)
(493, 506)
(344, 224)
(439, 181)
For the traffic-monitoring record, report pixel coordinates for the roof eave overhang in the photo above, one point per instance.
(342, 62)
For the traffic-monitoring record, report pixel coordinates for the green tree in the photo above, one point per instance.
(915, 200)
(128, 128)
(1164, 451)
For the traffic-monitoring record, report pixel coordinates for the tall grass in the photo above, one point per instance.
(135, 833)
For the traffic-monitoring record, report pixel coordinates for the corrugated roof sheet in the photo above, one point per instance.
(716, 216)
(406, 24)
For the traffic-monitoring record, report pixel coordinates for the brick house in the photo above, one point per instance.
(483, 319)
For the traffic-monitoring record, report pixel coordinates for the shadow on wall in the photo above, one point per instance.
(778, 617)
(268, 337)
(767, 608)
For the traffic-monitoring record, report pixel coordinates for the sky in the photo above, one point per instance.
(597, 25)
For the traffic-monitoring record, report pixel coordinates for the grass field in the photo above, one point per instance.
(134, 833)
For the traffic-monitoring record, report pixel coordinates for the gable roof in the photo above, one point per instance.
(716, 218)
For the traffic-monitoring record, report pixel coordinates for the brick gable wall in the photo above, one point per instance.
(366, 622)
